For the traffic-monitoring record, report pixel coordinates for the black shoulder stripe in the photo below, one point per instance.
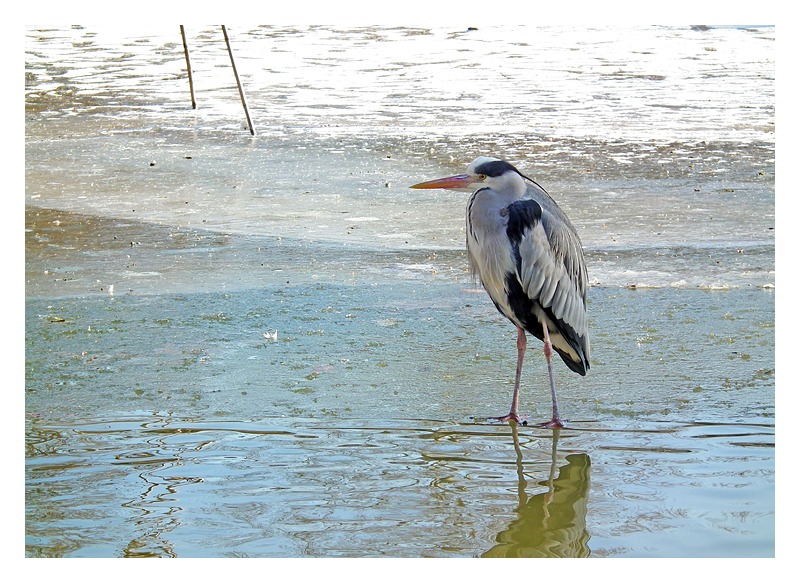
(523, 215)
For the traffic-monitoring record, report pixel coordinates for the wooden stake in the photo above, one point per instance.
(188, 67)
(238, 83)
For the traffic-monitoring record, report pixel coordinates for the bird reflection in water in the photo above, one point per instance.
(553, 523)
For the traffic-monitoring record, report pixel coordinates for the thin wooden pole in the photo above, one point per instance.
(238, 83)
(188, 67)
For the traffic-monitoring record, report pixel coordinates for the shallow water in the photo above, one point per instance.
(269, 346)
(287, 487)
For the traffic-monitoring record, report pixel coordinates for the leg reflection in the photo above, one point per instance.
(551, 523)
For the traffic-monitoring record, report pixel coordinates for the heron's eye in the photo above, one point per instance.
(482, 176)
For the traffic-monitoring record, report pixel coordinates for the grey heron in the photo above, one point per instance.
(529, 259)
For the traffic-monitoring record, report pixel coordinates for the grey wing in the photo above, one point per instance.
(552, 271)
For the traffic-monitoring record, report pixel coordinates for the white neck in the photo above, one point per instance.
(510, 184)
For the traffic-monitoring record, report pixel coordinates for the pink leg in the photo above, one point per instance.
(548, 354)
(522, 343)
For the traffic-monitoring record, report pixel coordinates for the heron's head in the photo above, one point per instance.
(483, 172)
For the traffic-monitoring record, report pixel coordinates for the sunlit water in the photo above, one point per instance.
(269, 346)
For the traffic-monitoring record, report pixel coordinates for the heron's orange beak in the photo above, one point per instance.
(453, 182)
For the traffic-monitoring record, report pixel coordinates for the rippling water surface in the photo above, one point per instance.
(268, 346)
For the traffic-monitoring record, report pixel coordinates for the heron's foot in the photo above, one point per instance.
(554, 423)
(512, 416)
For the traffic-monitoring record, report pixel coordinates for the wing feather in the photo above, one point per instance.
(551, 270)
